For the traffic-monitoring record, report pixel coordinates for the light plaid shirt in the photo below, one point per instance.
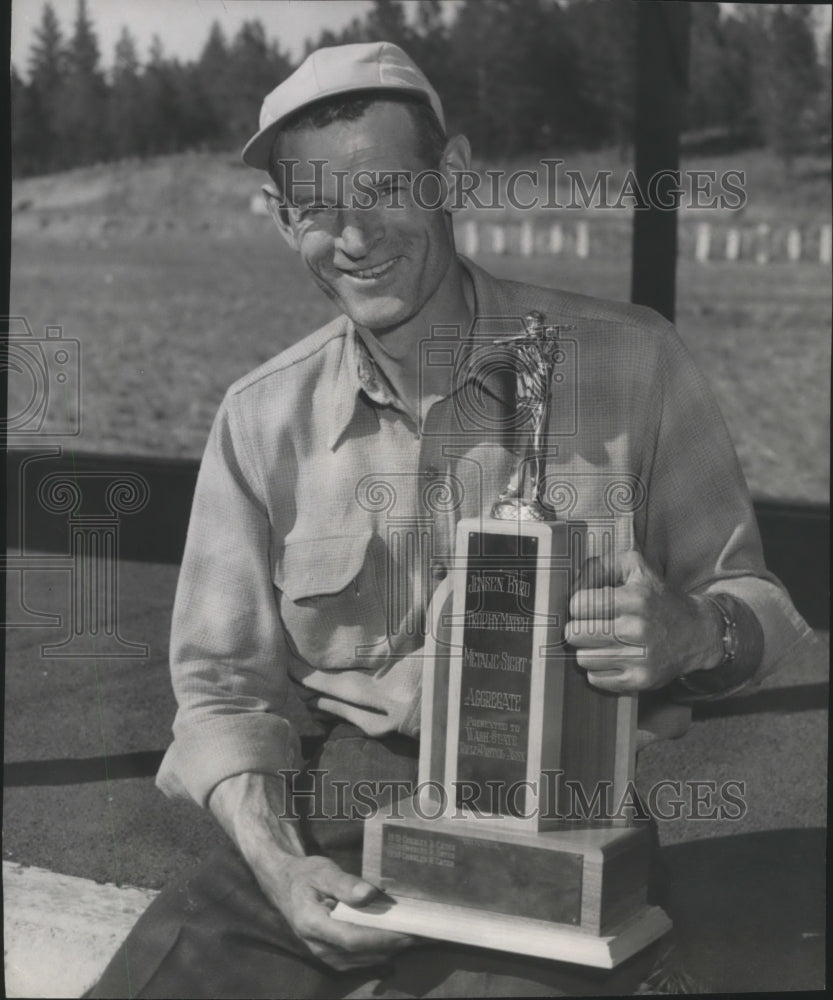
(324, 517)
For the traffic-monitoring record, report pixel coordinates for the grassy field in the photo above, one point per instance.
(174, 289)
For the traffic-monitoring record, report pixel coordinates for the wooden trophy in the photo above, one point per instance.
(500, 847)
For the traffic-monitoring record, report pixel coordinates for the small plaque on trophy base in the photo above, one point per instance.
(588, 879)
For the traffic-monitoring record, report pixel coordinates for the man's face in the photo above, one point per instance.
(381, 264)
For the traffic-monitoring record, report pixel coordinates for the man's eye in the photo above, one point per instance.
(313, 210)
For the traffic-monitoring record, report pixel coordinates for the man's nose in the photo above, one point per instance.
(361, 229)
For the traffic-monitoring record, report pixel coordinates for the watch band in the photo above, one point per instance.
(730, 631)
(729, 675)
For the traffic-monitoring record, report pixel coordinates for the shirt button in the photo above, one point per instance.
(438, 571)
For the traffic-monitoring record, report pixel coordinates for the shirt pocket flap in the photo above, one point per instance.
(309, 567)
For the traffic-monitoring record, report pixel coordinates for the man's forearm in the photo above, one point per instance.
(739, 650)
(251, 808)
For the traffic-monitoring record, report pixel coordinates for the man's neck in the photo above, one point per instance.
(399, 352)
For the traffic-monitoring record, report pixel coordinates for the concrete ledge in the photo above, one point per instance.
(59, 931)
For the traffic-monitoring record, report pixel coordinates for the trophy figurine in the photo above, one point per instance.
(509, 841)
(536, 351)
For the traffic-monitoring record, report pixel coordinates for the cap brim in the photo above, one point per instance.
(258, 149)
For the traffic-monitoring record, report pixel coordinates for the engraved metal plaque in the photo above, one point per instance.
(496, 671)
(513, 879)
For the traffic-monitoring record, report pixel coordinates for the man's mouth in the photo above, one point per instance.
(372, 273)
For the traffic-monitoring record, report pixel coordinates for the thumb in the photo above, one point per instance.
(599, 571)
(355, 891)
(631, 565)
(330, 881)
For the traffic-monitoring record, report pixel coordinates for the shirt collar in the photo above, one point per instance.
(358, 374)
(361, 376)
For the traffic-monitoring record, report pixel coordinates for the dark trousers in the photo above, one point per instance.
(213, 934)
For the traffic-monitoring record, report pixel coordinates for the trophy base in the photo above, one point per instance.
(575, 894)
(518, 935)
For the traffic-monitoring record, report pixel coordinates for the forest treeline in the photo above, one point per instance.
(517, 76)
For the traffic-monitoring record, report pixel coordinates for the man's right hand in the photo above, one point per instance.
(304, 888)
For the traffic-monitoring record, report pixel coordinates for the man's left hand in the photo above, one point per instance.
(633, 632)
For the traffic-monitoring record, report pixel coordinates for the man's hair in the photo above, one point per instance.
(431, 137)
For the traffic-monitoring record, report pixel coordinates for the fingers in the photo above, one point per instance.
(606, 657)
(610, 658)
(317, 886)
(612, 570)
(614, 681)
(343, 945)
(619, 669)
(594, 633)
(608, 602)
(317, 924)
(595, 604)
(624, 679)
(331, 882)
(598, 571)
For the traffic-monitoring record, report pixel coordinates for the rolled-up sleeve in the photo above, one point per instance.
(701, 525)
(228, 648)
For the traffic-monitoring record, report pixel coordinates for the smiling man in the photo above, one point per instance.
(323, 522)
(348, 201)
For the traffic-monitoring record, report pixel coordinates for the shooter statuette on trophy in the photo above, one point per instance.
(536, 350)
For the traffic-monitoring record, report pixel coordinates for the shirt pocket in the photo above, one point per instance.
(331, 598)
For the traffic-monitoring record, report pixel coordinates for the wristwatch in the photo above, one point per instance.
(730, 631)
(729, 674)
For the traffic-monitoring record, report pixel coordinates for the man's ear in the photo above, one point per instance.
(455, 164)
(277, 209)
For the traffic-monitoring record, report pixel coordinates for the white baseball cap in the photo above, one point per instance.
(337, 70)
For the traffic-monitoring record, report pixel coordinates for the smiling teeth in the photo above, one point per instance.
(374, 272)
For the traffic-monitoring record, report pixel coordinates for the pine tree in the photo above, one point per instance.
(255, 66)
(126, 109)
(826, 101)
(429, 46)
(47, 59)
(210, 83)
(706, 100)
(162, 107)
(512, 84)
(386, 22)
(28, 144)
(743, 41)
(787, 82)
(39, 106)
(84, 120)
(604, 33)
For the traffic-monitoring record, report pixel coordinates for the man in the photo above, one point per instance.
(292, 584)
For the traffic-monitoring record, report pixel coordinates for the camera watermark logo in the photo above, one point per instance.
(407, 505)
(44, 383)
(94, 588)
(483, 379)
(66, 515)
(84, 605)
